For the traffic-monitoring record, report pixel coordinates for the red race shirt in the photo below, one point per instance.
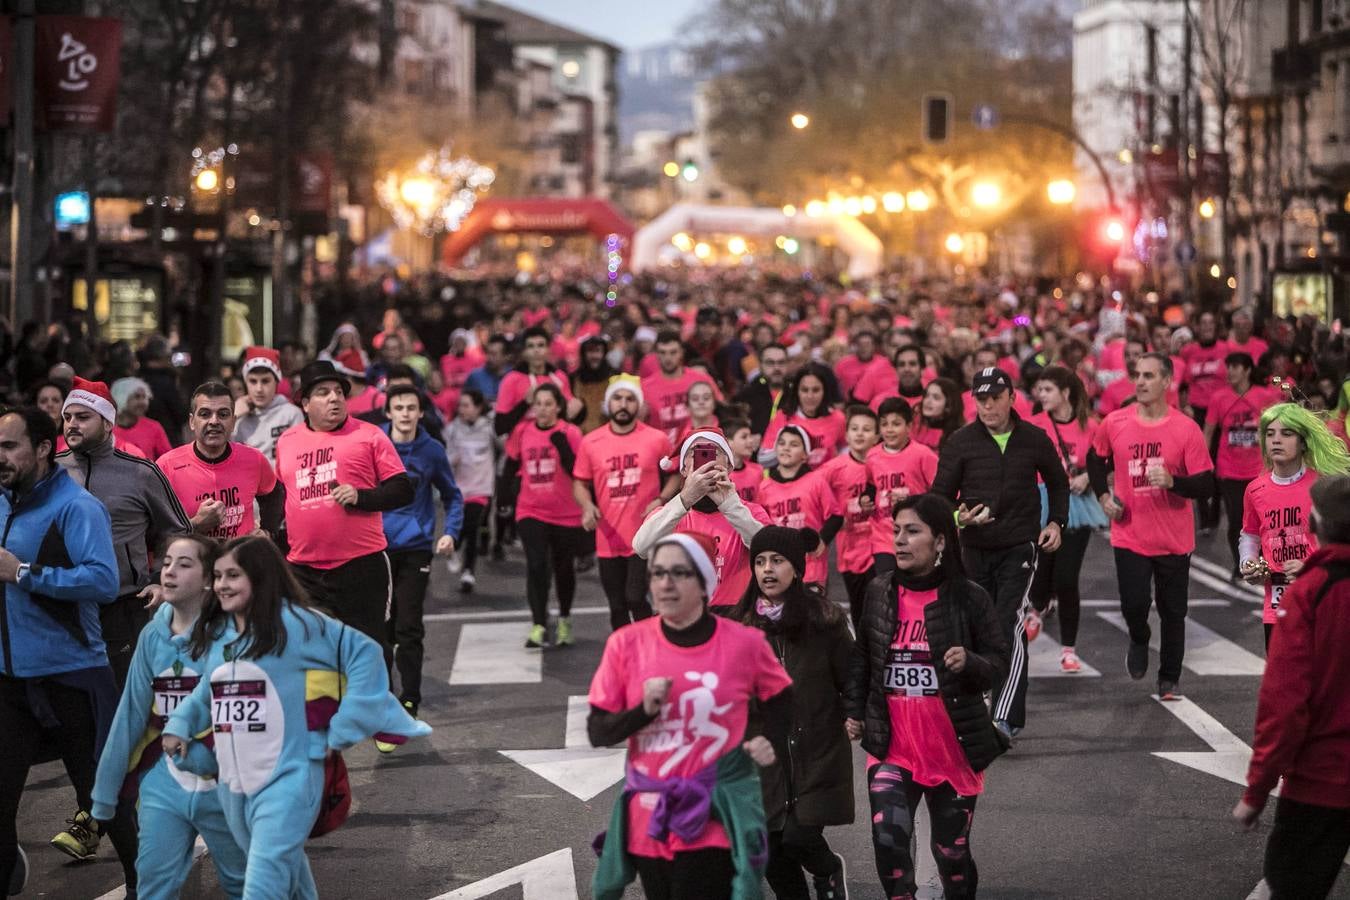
(545, 488)
(909, 470)
(747, 479)
(1279, 514)
(324, 534)
(877, 384)
(1157, 522)
(848, 481)
(826, 433)
(625, 472)
(805, 502)
(667, 399)
(1238, 417)
(702, 720)
(235, 480)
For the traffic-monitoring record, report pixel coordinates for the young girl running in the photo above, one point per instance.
(173, 806)
(287, 685)
(471, 447)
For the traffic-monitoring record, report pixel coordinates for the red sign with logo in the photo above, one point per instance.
(76, 67)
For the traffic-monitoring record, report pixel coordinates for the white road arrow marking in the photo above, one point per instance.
(495, 654)
(1227, 757)
(550, 877)
(578, 768)
(1207, 652)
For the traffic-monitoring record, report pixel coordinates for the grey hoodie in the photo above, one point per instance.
(261, 427)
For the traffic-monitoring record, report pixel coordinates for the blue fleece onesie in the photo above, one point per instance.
(275, 719)
(174, 805)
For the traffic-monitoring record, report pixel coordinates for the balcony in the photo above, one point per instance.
(1294, 68)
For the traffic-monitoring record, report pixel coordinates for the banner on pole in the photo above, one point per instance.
(76, 67)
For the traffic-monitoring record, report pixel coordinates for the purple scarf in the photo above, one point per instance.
(684, 806)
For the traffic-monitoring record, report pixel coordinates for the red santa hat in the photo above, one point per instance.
(93, 394)
(702, 551)
(800, 432)
(349, 363)
(710, 435)
(262, 358)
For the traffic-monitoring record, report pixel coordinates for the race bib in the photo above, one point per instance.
(170, 691)
(910, 673)
(1276, 595)
(1243, 436)
(239, 706)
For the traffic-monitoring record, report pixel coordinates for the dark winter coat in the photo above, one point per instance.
(962, 615)
(814, 773)
(971, 469)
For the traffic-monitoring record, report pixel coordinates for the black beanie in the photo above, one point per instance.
(791, 543)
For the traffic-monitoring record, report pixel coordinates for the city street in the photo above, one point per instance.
(505, 797)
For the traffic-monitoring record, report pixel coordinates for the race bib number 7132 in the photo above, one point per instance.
(239, 706)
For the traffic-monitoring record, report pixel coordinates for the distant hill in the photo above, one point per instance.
(656, 89)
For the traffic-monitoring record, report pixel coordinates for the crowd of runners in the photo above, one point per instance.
(819, 514)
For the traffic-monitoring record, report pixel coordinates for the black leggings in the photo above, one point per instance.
(1057, 576)
(1306, 849)
(624, 580)
(550, 550)
(504, 507)
(691, 875)
(894, 797)
(1232, 489)
(474, 514)
(24, 743)
(855, 584)
(793, 849)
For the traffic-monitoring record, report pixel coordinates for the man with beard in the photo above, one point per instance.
(591, 379)
(616, 480)
(667, 391)
(215, 478)
(143, 506)
(764, 392)
(905, 380)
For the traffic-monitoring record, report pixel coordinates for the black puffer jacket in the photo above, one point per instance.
(971, 469)
(962, 615)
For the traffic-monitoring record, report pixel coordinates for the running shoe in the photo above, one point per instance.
(1167, 690)
(411, 707)
(564, 636)
(18, 879)
(384, 746)
(835, 885)
(537, 637)
(467, 582)
(1031, 623)
(1007, 730)
(80, 840)
(1136, 661)
(498, 553)
(1068, 661)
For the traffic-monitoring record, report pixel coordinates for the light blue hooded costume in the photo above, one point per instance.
(275, 719)
(174, 805)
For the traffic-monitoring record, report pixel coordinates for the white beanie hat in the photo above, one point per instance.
(623, 383)
(800, 432)
(715, 437)
(700, 549)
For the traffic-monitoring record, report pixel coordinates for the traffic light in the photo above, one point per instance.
(937, 118)
(689, 171)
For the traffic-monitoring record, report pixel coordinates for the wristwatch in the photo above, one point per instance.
(23, 570)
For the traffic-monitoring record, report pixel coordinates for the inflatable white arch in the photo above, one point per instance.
(863, 248)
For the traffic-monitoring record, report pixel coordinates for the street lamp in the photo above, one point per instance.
(986, 194)
(799, 120)
(1061, 192)
(671, 169)
(1206, 208)
(919, 201)
(815, 208)
(893, 202)
(736, 246)
(954, 243)
(207, 180)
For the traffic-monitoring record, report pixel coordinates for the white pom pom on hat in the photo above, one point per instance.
(715, 437)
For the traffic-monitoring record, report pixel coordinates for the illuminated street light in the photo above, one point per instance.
(702, 250)
(800, 120)
(815, 208)
(986, 194)
(789, 210)
(893, 202)
(869, 205)
(736, 246)
(919, 201)
(672, 169)
(683, 241)
(207, 180)
(1206, 208)
(1215, 271)
(689, 172)
(1114, 231)
(853, 206)
(790, 246)
(954, 243)
(1061, 192)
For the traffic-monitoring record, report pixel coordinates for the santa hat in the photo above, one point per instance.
(623, 383)
(707, 434)
(702, 551)
(93, 394)
(349, 363)
(644, 334)
(799, 432)
(262, 358)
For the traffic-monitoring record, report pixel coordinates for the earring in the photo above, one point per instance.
(938, 564)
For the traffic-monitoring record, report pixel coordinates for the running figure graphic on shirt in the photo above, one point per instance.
(697, 707)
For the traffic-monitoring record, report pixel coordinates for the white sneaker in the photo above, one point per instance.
(467, 582)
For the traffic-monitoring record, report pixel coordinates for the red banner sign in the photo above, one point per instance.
(76, 67)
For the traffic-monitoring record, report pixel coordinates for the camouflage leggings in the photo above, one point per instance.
(894, 796)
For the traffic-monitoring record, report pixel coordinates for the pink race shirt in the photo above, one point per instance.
(667, 399)
(826, 433)
(516, 387)
(804, 503)
(1072, 441)
(235, 480)
(747, 479)
(1157, 522)
(732, 561)
(147, 434)
(909, 470)
(923, 739)
(877, 384)
(545, 488)
(625, 472)
(702, 720)
(1279, 514)
(1237, 418)
(848, 481)
(1204, 370)
(850, 370)
(1117, 392)
(324, 534)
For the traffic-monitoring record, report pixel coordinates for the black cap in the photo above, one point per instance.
(992, 380)
(319, 371)
(791, 543)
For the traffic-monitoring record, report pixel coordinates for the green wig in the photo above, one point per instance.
(1323, 452)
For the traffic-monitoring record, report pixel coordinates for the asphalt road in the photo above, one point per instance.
(1081, 808)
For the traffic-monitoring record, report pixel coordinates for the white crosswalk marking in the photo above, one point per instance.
(495, 654)
(1207, 652)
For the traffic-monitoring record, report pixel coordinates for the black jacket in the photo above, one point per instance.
(758, 396)
(962, 615)
(971, 469)
(817, 779)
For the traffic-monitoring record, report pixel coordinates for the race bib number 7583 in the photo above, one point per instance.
(911, 673)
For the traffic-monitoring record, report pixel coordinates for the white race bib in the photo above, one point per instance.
(239, 706)
(910, 673)
(169, 691)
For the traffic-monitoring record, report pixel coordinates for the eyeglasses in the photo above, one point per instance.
(679, 574)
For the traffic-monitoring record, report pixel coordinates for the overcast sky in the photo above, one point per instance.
(631, 24)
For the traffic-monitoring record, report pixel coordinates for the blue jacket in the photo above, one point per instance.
(49, 620)
(486, 382)
(413, 527)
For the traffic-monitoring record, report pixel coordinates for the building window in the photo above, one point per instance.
(573, 147)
